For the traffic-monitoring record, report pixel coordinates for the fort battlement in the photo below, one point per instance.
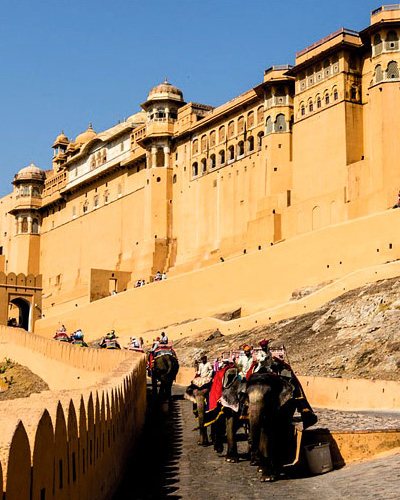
(70, 443)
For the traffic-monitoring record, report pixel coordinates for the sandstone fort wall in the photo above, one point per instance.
(71, 443)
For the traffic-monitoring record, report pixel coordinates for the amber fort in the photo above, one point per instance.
(292, 184)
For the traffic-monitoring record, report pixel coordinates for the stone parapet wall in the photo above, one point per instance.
(72, 443)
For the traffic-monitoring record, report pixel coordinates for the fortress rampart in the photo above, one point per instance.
(70, 443)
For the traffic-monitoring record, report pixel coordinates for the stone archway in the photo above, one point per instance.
(24, 312)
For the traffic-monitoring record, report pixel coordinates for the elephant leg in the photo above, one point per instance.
(232, 454)
(154, 385)
(203, 437)
(255, 431)
(267, 469)
(217, 434)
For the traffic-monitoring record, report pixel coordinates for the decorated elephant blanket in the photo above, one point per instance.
(161, 351)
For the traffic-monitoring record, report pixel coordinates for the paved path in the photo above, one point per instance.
(172, 467)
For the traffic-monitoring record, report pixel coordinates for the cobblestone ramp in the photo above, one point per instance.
(169, 465)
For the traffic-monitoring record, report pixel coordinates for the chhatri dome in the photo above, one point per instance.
(165, 91)
(86, 136)
(61, 139)
(31, 172)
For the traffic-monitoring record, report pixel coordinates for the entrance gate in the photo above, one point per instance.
(20, 300)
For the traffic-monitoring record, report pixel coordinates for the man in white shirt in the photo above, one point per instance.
(245, 361)
(204, 369)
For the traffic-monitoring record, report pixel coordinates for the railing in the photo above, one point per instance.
(342, 31)
(278, 67)
(55, 183)
(393, 6)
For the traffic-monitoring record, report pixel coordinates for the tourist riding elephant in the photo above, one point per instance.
(165, 367)
(198, 393)
(271, 408)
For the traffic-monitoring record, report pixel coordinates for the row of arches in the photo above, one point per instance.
(391, 72)
(388, 44)
(233, 128)
(28, 190)
(231, 154)
(319, 72)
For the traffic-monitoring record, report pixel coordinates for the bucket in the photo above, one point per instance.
(318, 458)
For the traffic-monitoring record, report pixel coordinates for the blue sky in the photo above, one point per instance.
(67, 63)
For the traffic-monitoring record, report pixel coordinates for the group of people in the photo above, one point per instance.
(159, 342)
(139, 283)
(160, 276)
(135, 343)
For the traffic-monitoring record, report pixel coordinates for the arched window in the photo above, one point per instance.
(195, 146)
(310, 106)
(240, 149)
(353, 93)
(327, 100)
(378, 74)
(104, 156)
(240, 124)
(250, 119)
(85, 207)
(231, 129)
(302, 109)
(93, 162)
(250, 144)
(160, 113)
(260, 114)
(377, 44)
(260, 135)
(203, 166)
(35, 192)
(392, 70)
(95, 202)
(302, 81)
(335, 94)
(212, 139)
(98, 159)
(231, 153)
(195, 169)
(280, 95)
(213, 163)
(335, 64)
(106, 196)
(392, 41)
(35, 226)
(280, 123)
(221, 134)
(221, 156)
(24, 225)
(204, 143)
(268, 125)
(25, 191)
(318, 101)
(73, 212)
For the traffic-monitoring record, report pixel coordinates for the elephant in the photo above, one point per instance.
(165, 367)
(271, 408)
(198, 394)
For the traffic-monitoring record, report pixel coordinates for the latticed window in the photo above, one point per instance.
(231, 129)
(392, 70)
(221, 134)
(378, 74)
(240, 124)
(204, 143)
(377, 44)
(212, 139)
(268, 125)
(280, 122)
(260, 114)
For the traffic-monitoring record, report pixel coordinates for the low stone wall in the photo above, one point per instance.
(72, 443)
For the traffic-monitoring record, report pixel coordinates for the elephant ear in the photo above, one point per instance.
(286, 393)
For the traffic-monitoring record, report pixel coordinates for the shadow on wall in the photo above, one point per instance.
(82, 454)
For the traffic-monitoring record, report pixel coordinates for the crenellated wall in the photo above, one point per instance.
(71, 443)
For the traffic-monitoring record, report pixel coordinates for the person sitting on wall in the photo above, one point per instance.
(158, 276)
(138, 284)
(164, 338)
(143, 283)
(164, 276)
(397, 204)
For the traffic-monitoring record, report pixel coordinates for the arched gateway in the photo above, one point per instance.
(20, 300)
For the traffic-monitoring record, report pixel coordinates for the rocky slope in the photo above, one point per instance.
(356, 335)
